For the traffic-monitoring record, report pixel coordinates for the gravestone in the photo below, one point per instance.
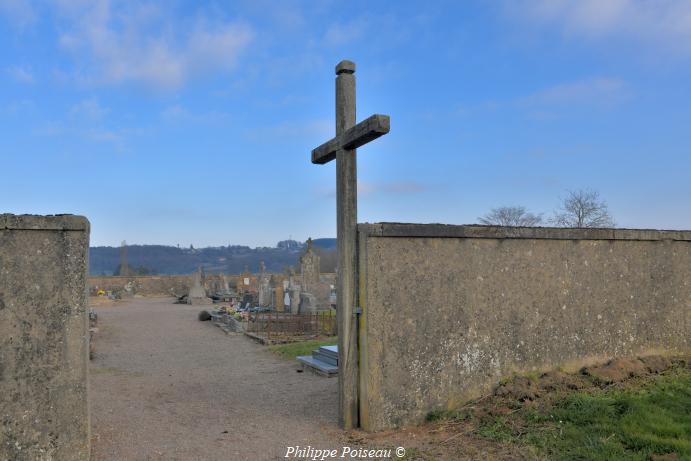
(308, 303)
(264, 294)
(295, 299)
(197, 294)
(277, 298)
(246, 282)
(309, 268)
(44, 338)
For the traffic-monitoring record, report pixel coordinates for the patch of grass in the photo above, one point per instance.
(630, 423)
(449, 415)
(292, 350)
(499, 430)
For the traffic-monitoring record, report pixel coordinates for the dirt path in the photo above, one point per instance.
(165, 386)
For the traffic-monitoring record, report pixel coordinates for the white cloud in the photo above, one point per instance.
(554, 101)
(142, 44)
(21, 75)
(598, 91)
(660, 22)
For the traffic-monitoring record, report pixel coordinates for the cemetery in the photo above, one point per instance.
(442, 338)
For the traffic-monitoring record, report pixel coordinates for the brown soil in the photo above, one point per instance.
(616, 370)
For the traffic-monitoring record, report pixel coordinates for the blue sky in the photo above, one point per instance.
(192, 122)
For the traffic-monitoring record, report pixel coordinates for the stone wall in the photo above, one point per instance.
(164, 285)
(158, 285)
(449, 310)
(178, 285)
(43, 338)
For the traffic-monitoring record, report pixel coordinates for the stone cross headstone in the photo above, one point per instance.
(197, 293)
(349, 137)
(309, 268)
(264, 286)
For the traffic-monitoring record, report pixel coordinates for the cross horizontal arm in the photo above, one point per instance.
(359, 135)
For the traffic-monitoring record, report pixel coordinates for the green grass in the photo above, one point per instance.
(292, 350)
(609, 425)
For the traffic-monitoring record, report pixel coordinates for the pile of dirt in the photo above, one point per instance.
(620, 369)
(525, 389)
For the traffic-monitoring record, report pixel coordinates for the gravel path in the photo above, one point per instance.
(165, 386)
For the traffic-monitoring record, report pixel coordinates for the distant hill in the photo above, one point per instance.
(233, 259)
(325, 244)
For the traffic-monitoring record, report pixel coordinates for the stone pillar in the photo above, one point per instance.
(278, 297)
(264, 294)
(44, 338)
(309, 268)
(294, 300)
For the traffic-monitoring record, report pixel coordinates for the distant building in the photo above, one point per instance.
(289, 245)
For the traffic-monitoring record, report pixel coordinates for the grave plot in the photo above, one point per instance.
(274, 328)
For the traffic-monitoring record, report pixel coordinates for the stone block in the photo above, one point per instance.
(44, 338)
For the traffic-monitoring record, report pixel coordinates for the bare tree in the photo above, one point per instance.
(583, 208)
(510, 216)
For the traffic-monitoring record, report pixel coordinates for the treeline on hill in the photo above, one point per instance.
(232, 259)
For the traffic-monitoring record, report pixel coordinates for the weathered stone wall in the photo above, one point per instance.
(177, 285)
(43, 338)
(156, 285)
(449, 310)
(164, 285)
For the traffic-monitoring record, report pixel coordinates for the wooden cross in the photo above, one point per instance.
(349, 137)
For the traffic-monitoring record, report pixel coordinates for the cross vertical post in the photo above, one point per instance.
(342, 148)
(346, 192)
